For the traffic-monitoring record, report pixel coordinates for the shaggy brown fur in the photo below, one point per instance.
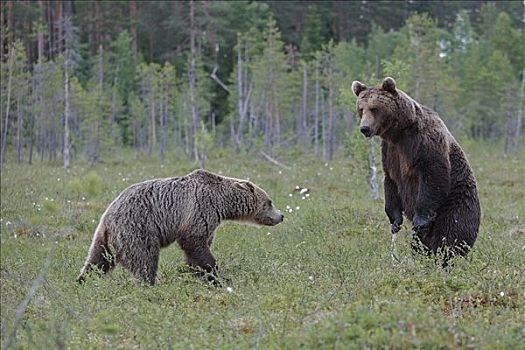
(151, 215)
(427, 175)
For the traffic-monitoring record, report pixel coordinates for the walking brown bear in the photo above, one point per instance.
(151, 215)
(427, 175)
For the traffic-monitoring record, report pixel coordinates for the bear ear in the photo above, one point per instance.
(389, 84)
(358, 87)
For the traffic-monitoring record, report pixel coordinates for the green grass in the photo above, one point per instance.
(322, 279)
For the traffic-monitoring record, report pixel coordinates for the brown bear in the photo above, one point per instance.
(151, 215)
(427, 175)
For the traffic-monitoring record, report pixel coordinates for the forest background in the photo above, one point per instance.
(87, 78)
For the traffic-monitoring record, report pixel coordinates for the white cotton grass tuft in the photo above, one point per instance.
(229, 289)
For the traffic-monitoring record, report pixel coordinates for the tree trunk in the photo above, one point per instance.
(58, 27)
(2, 39)
(34, 104)
(316, 111)
(2, 11)
(237, 136)
(509, 123)
(186, 135)
(12, 54)
(133, 28)
(96, 41)
(203, 150)
(19, 132)
(330, 126)
(268, 128)
(193, 84)
(276, 113)
(302, 127)
(40, 33)
(10, 23)
(67, 111)
(151, 137)
(519, 116)
(323, 126)
(372, 159)
(162, 145)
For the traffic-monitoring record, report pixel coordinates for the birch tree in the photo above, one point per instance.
(192, 79)
(70, 57)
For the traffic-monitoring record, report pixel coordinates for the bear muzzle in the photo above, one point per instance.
(366, 130)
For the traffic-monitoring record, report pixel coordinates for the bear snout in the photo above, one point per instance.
(365, 130)
(275, 218)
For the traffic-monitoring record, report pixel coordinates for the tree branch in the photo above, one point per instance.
(214, 76)
(272, 160)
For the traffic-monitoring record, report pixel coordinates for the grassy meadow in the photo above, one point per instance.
(324, 278)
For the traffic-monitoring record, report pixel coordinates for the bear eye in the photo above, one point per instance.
(360, 111)
(373, 109)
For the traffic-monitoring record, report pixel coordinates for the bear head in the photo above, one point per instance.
(264, 213)
(382, 110)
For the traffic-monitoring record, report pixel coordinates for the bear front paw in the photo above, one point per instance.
(396, 225)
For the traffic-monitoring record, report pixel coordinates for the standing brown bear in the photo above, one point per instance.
(151, 215)
(427, 176)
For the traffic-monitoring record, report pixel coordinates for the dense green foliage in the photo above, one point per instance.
(248, 75)
(322, 279)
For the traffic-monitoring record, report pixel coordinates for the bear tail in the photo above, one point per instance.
(99, 255)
